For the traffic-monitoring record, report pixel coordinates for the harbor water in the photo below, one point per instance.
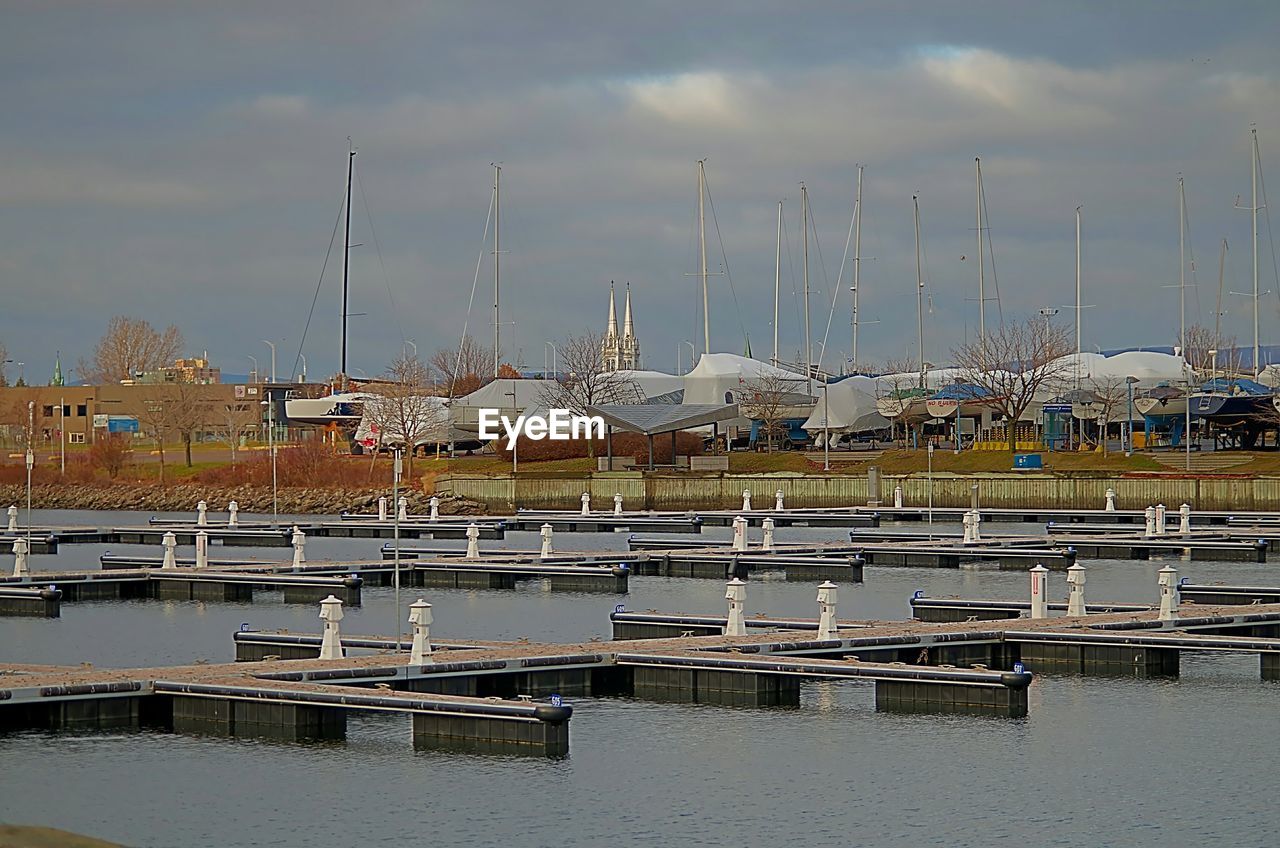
(1133, 762)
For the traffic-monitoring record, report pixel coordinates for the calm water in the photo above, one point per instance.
(1185, 762)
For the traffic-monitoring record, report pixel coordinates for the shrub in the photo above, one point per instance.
(110, 454)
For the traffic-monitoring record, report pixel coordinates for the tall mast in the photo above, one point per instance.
(1079, 304)
(857, 267)
(804, 225)
(346, 262)
(702, 257)
(1257, 366)
(982, 281)
(1217, 313)
(1182, 266)
(915, 202)
(497, 265)
(777, 283)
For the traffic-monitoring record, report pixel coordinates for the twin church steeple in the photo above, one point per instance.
(621, 352)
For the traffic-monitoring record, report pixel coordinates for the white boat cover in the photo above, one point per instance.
(719, 377)
(850, 407)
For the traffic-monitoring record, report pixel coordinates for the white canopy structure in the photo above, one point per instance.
(719, 377)
(849, 407)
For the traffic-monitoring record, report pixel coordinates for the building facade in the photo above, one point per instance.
(620, 351)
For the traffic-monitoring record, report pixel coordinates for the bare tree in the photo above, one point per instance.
(129, 347)
(587, 381)
(232, 419)
(1013, 363)
(187, 412)
(153, 412)
(111, 453)
(767, 399)
(460, 371)
(898, 384)
(1110, 396)
(404, 411)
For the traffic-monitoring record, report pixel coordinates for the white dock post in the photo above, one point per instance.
(1150, 515)
(473, 541)
(739, 533)
(897, 497)
(420, 618)
(827, 611)
(434, 503)
(746, 500)
(546, 532)
(202, 514)
(767, 524)
(966, 521)
(1111, 500)
(233, 514)
(202, 549)
(1160, 519)
(617, 503)
(1184, 516)
(170, 542)
(402, 509)
(977, 525)
(299, 540)
(331, 643)
(586, 503)
(20, 551)
(777, 500)
(1170, 597)
(736, 595)
(13, 518)
(382, 508)
(1039, 585)
(1075, 590)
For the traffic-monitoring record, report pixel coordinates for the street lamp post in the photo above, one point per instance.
(31, 461)
(693, 354)
(272, 345)
(303, 357)
(555, 371)
(271, 448)
(826, 432)
(254, 376)
(62, 435)
(411, 343)
(397, 467)
(1129, 447)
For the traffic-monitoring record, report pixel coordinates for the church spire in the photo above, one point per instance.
(611, 332)
(57, 370)
(628, 329)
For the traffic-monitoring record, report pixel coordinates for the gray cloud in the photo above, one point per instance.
(187, 165)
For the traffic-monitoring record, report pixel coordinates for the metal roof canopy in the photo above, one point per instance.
(651, 419)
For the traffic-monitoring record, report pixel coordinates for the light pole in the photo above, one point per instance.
(411, 343)
(271, 448)
(515, 443)
(1186, 370)
(1129, 447)
(826, 433)
(303, 357)
(31, 461)
(272, 345)
(693, 355)
(62, 435)
(929, 451)
(397, 466)
(254, 376)
(1213, 368)
(22, 373)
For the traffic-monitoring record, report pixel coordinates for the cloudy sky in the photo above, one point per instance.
(186, 163)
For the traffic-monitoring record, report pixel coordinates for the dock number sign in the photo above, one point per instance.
(557, 701)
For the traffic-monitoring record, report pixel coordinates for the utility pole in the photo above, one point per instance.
(777, 284)
(915, 203)
(1079, 306)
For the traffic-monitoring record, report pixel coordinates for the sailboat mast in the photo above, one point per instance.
(1182, 266)
(915, 203)
(777, 282)
(346, 262)
(982, 281)
(1254, 168)
(804, 225)
(497, 267)
(857, 267)
(1217, 313)
(702, 256)
(1079, 304)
